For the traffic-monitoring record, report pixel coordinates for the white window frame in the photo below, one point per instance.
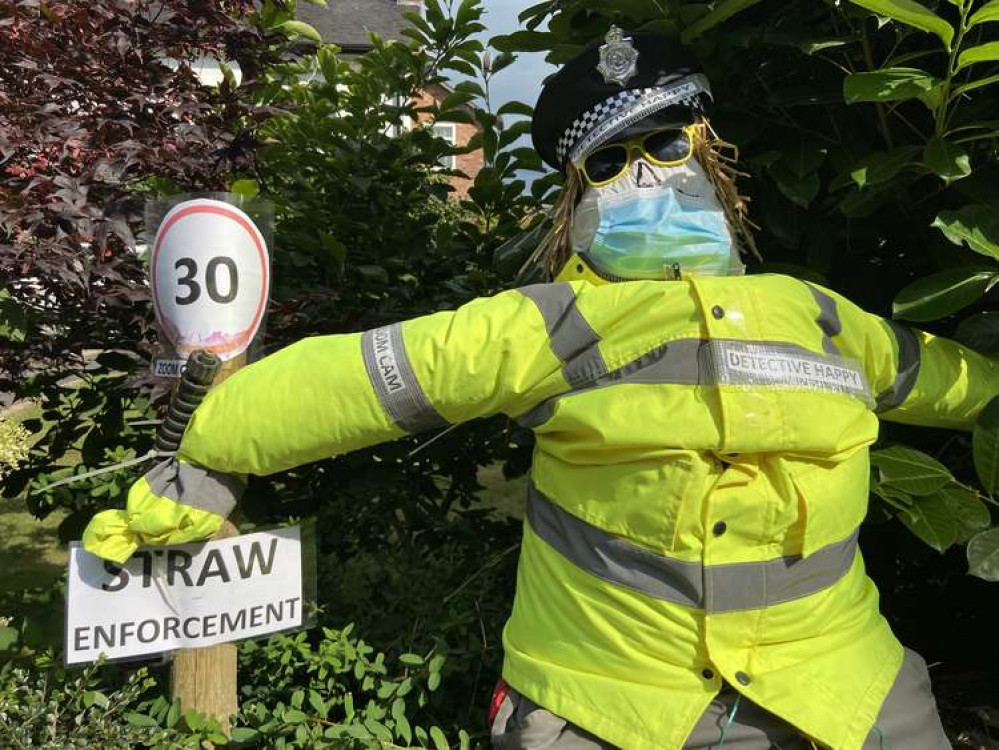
(451, 161)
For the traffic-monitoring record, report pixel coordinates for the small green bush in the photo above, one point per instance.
(47, 707)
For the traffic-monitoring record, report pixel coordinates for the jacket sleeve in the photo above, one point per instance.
(329, 395)
(918, 378)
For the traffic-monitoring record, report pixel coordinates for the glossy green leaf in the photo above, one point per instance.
(95, 698)
(942, 293)
(523, 41)
(887, 85)
(515, 108)
(882, 166)
(173, 713)
(799, 190)
(985, 447)
(896, 498)
(329, 63)
(378, 729)
(537, 10)
(980, 332)
(865, 202)
(910, 470)
(912, 14)
(815, 46)
(988, 12)
(970, 514)
(721, 12)
(294, 29)
(930, 519)
(434, 681)
(243, 734)
(140, 720)
(988, 52)
(440, 741)
(803, 157)
(972, 85)
(983, 555)
(946, 159)
(245, 188)
(976, 226)
(457, 99)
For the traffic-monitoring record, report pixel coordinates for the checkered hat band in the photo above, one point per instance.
(616, 113)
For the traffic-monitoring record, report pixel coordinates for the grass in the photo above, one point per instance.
(505, 495)
(30, 553)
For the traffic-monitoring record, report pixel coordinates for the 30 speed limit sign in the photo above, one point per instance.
(210, 278)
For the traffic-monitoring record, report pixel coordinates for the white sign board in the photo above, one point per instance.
(210, 276)
(184, 596)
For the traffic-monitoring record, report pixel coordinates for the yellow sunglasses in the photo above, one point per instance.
(668, 147)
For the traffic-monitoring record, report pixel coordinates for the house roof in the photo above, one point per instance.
(347, 23)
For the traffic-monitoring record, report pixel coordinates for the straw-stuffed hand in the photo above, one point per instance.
(174, 503)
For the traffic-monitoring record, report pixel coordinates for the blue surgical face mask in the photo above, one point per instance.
(653, 218)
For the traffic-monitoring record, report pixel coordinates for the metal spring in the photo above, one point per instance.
(201, 368)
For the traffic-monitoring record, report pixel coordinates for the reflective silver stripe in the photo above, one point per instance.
(909, 360)
(676, 362)
(395, 382)
(828, 319)
(195, 486)
(572, 339)
(725, 361)
(769, 364)
(713, 588)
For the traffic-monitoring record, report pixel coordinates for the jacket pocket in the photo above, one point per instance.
(832, 499)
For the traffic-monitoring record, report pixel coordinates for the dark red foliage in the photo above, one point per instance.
(98, 101)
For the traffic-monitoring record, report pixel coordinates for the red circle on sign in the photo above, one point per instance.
(242, 338)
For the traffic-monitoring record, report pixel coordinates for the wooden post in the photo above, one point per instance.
(205, 678)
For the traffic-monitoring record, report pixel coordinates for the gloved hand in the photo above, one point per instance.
(174, 503)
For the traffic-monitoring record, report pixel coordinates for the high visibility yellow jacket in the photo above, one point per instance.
(700, 474)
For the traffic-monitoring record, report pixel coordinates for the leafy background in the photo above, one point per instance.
(868, 130)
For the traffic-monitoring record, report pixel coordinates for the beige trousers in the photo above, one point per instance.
(908, 720)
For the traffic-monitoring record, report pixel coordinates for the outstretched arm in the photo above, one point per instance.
(918, 378)
(329, 395)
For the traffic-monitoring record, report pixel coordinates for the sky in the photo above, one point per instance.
(522, 80)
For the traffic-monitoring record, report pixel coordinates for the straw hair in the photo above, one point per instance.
(719, 159)
(555, 248)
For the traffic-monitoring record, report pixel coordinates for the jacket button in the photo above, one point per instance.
(707, 674)
(719, 528)
(742, 678)
(718, 312)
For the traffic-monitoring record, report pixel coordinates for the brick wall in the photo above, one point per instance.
(471, 163)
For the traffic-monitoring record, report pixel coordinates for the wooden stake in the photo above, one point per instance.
(205, 678)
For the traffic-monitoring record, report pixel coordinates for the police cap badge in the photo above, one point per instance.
(618, 57)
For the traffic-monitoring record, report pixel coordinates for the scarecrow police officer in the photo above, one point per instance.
(689, 576)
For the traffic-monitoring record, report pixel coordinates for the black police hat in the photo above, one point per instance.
(623, 85)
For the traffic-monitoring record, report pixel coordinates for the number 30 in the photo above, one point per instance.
(188, 281)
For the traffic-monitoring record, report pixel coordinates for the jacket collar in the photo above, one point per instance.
(577, 269)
